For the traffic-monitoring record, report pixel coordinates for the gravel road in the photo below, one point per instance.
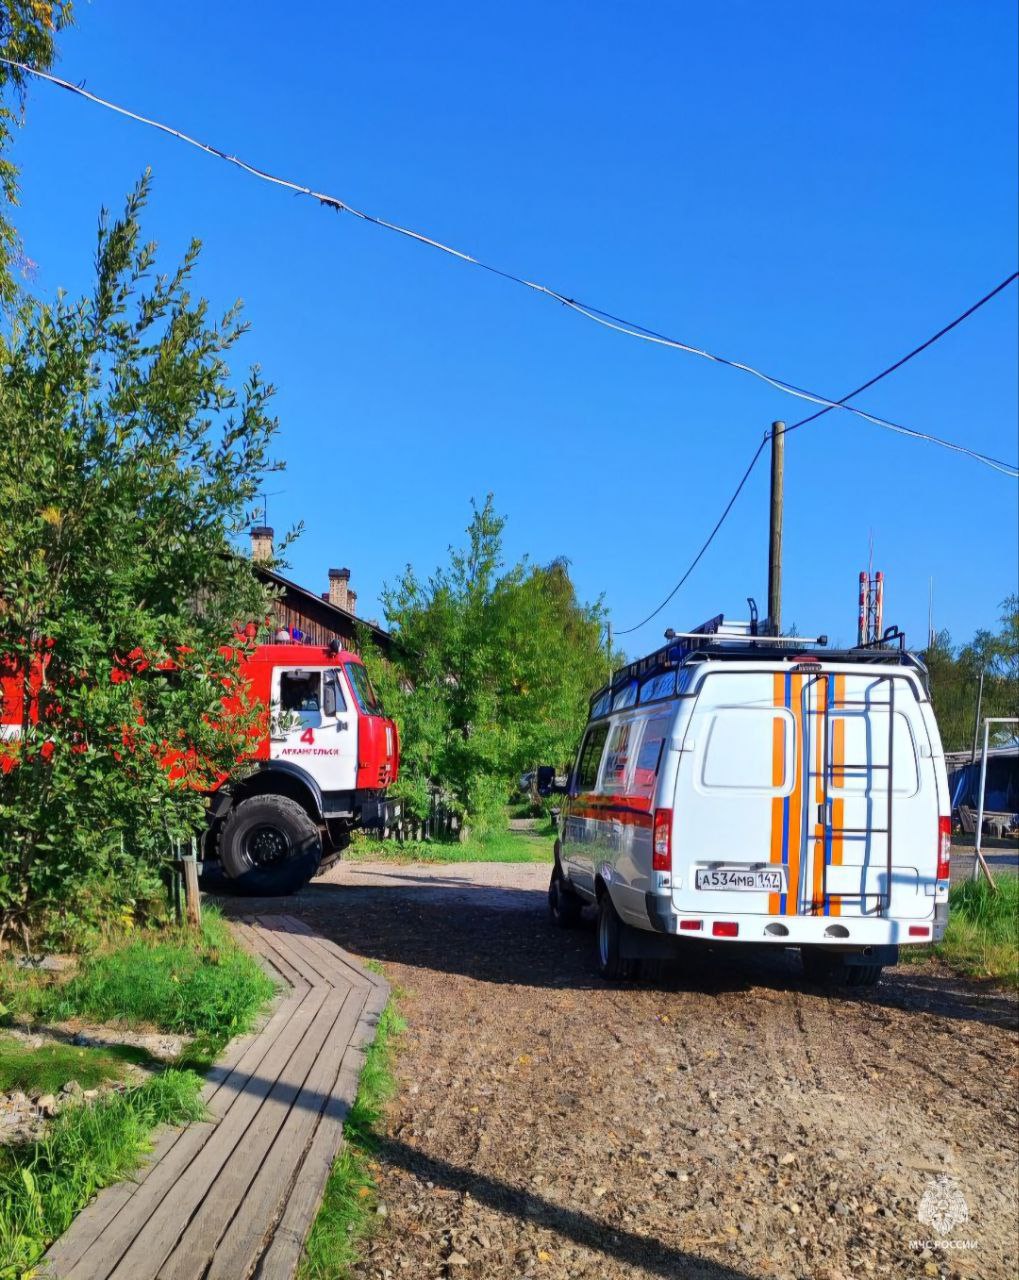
(722, 1120)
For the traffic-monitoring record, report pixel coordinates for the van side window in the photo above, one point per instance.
(649, 756)
(617, 759)
(590, 757)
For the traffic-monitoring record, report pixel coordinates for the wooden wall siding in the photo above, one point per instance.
(316, 631)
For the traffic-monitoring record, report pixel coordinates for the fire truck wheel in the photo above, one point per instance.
(563, 904)
(611, 963)
(826, 968)
(269, 845)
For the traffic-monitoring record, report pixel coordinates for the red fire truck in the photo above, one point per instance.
(320, 767)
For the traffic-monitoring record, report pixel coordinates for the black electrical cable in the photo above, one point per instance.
(708, 542)
(803, 422)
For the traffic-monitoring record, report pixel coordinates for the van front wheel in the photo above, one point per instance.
(611, 963)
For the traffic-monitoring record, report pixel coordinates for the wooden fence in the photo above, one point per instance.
(441, 824)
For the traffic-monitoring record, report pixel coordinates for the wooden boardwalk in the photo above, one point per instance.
(235, 1196)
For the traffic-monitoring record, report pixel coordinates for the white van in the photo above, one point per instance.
(740, 788)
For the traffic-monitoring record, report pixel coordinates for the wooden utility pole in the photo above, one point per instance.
(775, 528)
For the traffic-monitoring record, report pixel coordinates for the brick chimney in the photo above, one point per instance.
(351, 601)
(261, 543)
(339, 587)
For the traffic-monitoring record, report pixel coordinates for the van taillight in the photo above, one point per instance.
(944, 847)
(661, 857)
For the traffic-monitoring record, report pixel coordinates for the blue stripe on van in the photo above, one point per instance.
(785, 802)
(826, 767)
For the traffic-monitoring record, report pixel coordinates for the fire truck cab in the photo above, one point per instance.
(320, 770)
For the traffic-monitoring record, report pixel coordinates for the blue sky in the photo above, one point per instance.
(810, 188)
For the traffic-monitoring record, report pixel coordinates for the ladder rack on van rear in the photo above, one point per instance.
(884, 897)
(718, 640)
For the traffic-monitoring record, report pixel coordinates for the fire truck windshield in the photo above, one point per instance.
(363, 691)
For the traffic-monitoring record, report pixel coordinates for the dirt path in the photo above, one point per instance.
(721, 1121)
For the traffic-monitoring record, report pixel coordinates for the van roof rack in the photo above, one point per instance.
(718, 640)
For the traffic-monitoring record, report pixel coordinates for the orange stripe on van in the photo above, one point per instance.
(838, 807)
(792, 901)
(817, 902)
(777, 780)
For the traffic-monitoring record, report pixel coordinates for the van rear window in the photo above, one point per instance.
(749, 749)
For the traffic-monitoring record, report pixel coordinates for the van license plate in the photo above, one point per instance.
(751, 880)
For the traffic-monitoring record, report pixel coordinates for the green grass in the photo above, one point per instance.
(504, 846)
(348, 1210)
(174, 980)
(202, 985)
(982, 938)
(51, 1066)
(43, 1185)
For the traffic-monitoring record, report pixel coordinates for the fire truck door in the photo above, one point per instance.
(314, 727)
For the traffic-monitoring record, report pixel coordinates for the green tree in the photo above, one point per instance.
(27, 29)
(491, 673)
(955, 678)
(127, 458)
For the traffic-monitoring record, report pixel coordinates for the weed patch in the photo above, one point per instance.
(51, 1066)
(503, 846)
(43, 1185)
(982, 938)
(348, 1210)
(204, 985)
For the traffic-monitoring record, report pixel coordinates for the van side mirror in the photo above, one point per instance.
(329, 699)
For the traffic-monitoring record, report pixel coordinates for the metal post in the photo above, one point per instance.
(608, 647)
(979, 862)
(976, 721)
(978, 859)
(175, 881)
(775, 528)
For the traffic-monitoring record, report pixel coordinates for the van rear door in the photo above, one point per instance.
(878, 806)
(786, 804)
(736, 789)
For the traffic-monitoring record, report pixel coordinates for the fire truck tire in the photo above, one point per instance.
(564, 906)
(269, 845)
(611, 962)
(827, 969)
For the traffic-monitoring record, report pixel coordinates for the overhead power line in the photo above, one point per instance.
(708, 541)
(596, 314)
(802, 423)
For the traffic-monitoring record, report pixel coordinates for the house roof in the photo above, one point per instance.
(344, 619)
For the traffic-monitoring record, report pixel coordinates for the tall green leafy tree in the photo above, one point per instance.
(955, 678)
(492, 670)
(27, 32)
(128, 458)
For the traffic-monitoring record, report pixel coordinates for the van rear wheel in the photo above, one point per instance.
(828, 968)
(611, 963)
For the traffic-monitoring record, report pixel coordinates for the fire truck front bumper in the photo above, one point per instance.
(380, 811)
